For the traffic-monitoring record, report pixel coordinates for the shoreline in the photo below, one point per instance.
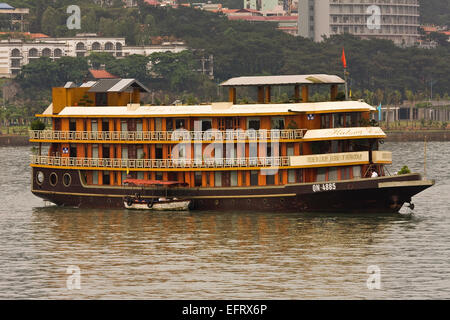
(392, 136)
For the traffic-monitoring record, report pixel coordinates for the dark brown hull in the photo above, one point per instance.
(379, 195)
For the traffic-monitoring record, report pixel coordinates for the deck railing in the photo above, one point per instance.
(285, 134)
(159, 163)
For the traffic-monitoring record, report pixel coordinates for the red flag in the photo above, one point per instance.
(344, 61)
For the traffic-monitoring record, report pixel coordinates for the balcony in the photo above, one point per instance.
(158, 136)
(103, 163)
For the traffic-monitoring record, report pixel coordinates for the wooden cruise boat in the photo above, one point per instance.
(301, 156)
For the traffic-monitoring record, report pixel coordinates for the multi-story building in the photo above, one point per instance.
(15, 53)
(396, 20)
(14, 17)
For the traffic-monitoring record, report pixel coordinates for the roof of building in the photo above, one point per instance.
(101, 74)
(224, 108)
(6, 6)
(283, 80)
(117, 85)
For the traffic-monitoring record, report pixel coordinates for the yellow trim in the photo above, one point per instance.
(200, 169)
(158, 141)
(187, 115)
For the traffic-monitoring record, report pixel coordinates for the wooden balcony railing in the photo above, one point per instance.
(111, 136)
(159, 163)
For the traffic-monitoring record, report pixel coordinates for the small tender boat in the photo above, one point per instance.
(137, 202)
(161, 204)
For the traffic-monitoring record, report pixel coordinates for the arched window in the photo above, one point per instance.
(109, 46)
(80, 46)
(15, 53)
(57, 53)
(96, 46)
(33, 53)
(118, 46)
(46, 52)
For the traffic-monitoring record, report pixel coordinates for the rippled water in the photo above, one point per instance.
(211, 255)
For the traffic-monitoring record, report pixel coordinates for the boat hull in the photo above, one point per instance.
(377, 195)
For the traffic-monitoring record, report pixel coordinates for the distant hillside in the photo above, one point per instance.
(435, 11)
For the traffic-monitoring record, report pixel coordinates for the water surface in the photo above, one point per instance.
(216, 255)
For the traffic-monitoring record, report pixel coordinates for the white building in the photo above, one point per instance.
(396, 20)
(15, 53)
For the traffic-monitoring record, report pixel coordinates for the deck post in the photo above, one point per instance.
(297, 93)
(333, 92)
(232, 95)
(260, 94)
(305, 93)
(267, 95)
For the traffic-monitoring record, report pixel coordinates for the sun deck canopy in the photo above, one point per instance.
(116, 85)
(283, 80)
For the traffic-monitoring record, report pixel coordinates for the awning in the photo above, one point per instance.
(117, 85)
(283, 80)
(143, 183)
(344, 133)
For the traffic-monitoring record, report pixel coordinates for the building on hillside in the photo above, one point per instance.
(287, 24)
(13, 19)
(396, 20)
(98, 74)
(15, 53)
(149, 49)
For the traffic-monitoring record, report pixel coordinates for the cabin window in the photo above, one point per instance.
(253, 178)
(345, 173)
(123, 125)
(299, 175)
(124, 176)
(226, 179)
(158, 151)
(206, 124)
(139, 125)
(169, 125)
(291, 176)
(140, 152)
(348, 120)
(277, 123)
(290, 150)
(159, 175)
(94, 177)
(179, 123)
(158, 124)
(355, 118)
(73, 151)
(105, 150)
(106, 178)
(325, 121)
(253, 123)
(172, 176)
(233, 178)
(95, 151)
(140, 175)
(270, 179)
(356, 172)
(124, 152)
(105, 125)
(198, 178)
(72, 125)
(101, 99)
(321, 174)
(333, 174)
(218, 179)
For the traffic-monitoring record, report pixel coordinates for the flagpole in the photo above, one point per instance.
(346, 85)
